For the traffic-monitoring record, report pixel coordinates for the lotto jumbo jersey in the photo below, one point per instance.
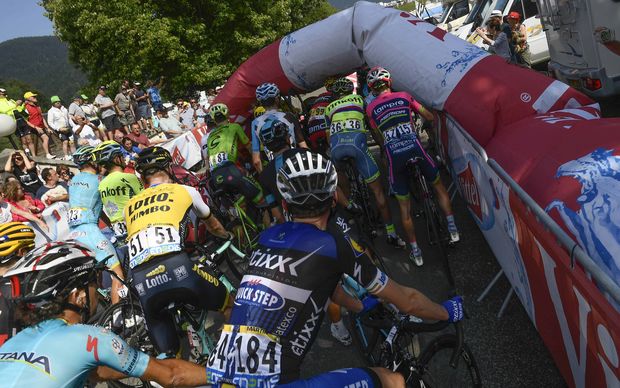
(346, 115)
(391, 113)
(55, 354)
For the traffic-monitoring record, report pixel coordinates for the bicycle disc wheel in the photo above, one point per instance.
(435, 370)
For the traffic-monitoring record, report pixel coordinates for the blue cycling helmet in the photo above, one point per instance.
(83, 155)
(273, 134)
(267, 91)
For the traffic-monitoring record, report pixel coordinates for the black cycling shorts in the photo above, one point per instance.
(174, 278)
(229, 177)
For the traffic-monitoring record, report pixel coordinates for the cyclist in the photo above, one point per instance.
(117, 187)
(391, 114)
(316, 127)
(222, 156)
(347, 137)
(85, 209)
(293, 272)
(16, 239)
(56, 291)
(268, 96)
(157, 224)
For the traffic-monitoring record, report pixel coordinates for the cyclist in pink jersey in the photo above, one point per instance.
(390, 113)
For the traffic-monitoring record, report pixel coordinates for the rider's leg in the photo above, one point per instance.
(338, 329)
(389, 378)
(404, 203)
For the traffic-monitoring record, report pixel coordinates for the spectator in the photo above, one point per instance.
(84, 132)
(153, 92)
(64, 173)
(91, 112)
(123, 103)
(24, 170)
(38, 124)
(7, 106)
(187, 115)
(108, 114)
(200, 113)
(143, 110)
(5, 208)
(138, 138)
(130, 151)
(176, 110)
(58, 120)
(169, 125)
(23, 207)
(495, 37)
(519, 40)
(53, 190)
(118, 137)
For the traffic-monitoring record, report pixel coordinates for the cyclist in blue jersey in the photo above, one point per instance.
(294, 271)
(55, 291)
(85, 209)
(268, 96)
(390, 113)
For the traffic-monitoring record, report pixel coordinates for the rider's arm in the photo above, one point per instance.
(299, 136)
(203, 212)
(256, 149)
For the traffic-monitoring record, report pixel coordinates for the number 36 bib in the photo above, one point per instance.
(245, 356)
(153, 241)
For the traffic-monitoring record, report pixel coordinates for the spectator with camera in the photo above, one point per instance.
(24, 170)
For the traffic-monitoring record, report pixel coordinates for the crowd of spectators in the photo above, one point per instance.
(132, 119)
(507, 37)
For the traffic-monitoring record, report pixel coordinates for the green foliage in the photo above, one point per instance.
(194, 43)
(39, 63)
(408, 7)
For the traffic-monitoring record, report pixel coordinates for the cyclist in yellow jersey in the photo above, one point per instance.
(347, 137)
(157, 221)
(118, 187)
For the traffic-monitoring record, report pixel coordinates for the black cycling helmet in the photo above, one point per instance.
(153, 158)
(342, 86)
(83, 156)
(51, 270)
(307, 182)
(273, 134)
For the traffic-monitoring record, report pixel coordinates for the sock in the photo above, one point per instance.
(450, 219)
(390, 229)
(414, 246)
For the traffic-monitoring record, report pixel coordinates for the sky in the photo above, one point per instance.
(23, 18)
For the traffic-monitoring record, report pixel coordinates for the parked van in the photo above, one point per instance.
(454, 14)
(584, 43)
(529, 16)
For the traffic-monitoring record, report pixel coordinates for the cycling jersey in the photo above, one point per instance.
(84, 200)
(157, 220)
(115, 190)
(281, 301)
(317, 125)
(267, 177)
(222, 144)
(267, 118)
(391, 114)
(348, 135)
(55, 354)
(85, 208)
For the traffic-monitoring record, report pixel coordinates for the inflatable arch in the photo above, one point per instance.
(538, 166)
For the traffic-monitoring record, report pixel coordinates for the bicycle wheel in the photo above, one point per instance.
(434, 370)
(367, 340)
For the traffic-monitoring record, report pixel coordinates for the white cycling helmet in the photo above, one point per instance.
(267, 91)
(307, 180)
(378, 77)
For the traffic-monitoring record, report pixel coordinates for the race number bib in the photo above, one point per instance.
(397, 132)
(119, 228)
(254, 354)
(218, 159)
(155, 240)
(75, 215)
(345, 125)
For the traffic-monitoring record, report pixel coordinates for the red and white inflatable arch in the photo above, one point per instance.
(518, 142)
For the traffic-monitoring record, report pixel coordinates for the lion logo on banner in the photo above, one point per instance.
(596, 225)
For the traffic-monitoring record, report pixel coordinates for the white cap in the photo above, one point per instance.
(496, 12)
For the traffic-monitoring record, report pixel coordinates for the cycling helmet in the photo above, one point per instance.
(307, 181)
(153, 158)
(51, 270)
(83, 155)
(218, 112)
(378, 77)
(267, 91)
(273, 135)
(13, 236)
(342, 86)
(106, 152)
(259, 111)
(329, 82)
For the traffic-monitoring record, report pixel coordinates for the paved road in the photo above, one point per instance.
(509, 351)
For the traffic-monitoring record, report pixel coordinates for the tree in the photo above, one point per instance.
(194, 43)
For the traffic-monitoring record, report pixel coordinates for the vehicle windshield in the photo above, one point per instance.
(479, 9)
(446, 13)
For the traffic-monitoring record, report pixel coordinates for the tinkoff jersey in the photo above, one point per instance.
(346, 115)
(116, 190)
